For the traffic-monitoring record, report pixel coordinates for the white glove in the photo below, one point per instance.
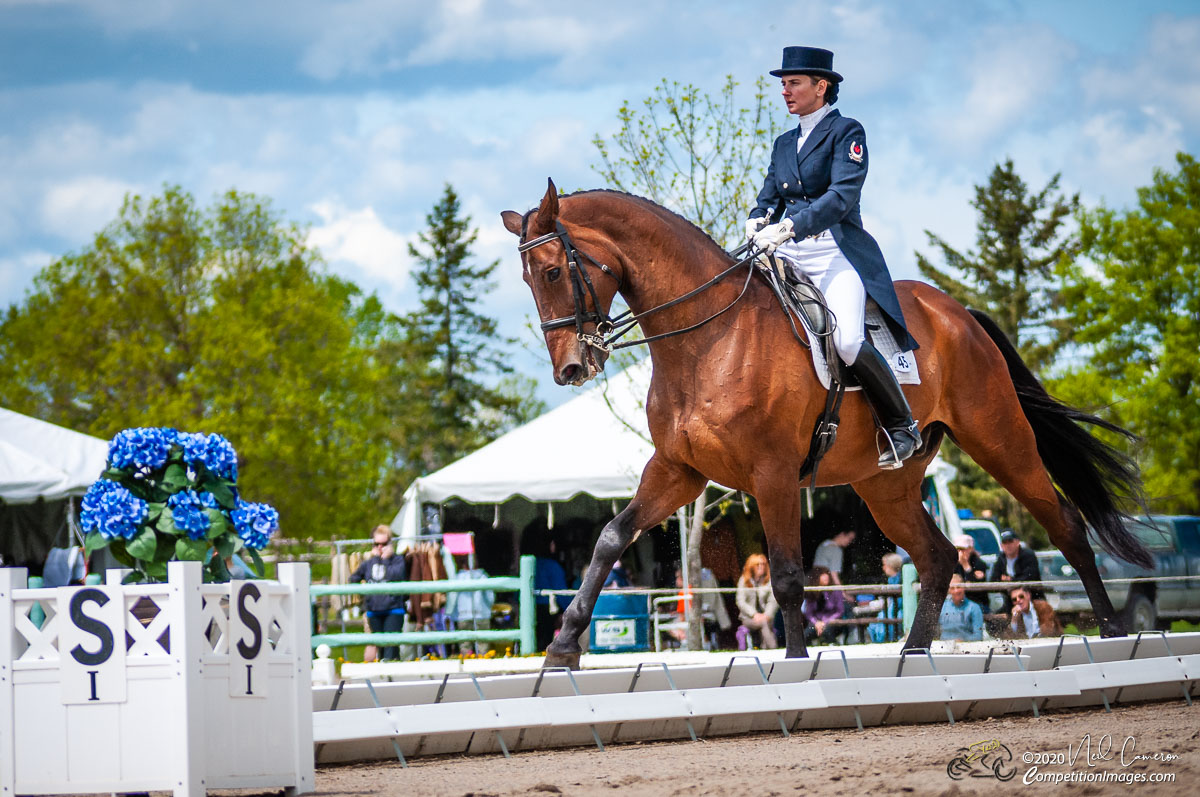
(754, 225)
(770, 237)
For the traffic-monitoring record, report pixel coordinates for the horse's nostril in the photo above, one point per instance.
(570, 373)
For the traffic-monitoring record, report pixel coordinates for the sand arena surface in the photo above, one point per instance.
(902, 759)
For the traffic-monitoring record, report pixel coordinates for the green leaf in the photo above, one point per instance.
(220, 573)
(218, 523)
(117, 549)
(143, 545)
(220, 490)
(190, 550)
(258, 567)
(175, 478)
(94, 542)
(114, 474)
(134, 577)
(226, 545)
(166, 522)
(156, 571)
(153, 512)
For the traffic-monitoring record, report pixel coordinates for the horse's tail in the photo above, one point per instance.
(1092, 475)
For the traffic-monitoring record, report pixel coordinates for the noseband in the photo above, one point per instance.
(580, 279)
(608, 329)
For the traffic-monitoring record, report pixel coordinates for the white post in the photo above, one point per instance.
(11, 579)
(296, 577)
(114, 576)
(187, 652)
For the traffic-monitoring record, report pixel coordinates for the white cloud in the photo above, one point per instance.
(1009, 81)
(359, 238)
(16, 273)
(84, 205)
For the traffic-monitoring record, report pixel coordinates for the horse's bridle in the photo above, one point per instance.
(580, 279)
(609, 329)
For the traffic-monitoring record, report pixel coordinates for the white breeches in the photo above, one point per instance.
(822, 261)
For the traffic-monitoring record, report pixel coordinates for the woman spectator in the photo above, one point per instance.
(821, 607)
(756, 603)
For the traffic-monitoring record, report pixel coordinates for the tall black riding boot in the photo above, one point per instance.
(883, 392)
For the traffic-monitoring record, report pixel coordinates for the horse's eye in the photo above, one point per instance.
(553, 274)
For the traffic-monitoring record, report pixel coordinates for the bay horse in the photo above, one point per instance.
(735, 400)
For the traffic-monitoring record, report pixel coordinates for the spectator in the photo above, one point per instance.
(832, 552)
(1031, 617)
(385, 613)
(548, 574)
(470, 611)
(756, 603)
(971, 567)
(1015, 563)
(961, 619)
(889, 632)
(618, 577)
(822, 607)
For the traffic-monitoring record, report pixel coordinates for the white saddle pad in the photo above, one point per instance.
(904, 364)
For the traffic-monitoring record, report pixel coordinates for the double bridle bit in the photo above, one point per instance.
(608, 329)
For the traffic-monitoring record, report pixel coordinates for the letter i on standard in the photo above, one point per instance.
(249, 621)
(91, 645)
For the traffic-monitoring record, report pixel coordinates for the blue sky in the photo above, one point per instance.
(351, 116)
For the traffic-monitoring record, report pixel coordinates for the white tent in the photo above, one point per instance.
(596, 443)
(41, 460)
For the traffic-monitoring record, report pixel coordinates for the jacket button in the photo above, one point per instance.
(785, 185)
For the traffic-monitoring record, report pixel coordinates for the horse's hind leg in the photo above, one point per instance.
(894, 498)
(664, 488)
(780, 512)
(1018, 467)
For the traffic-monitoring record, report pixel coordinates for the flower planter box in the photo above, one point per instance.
(211, 692)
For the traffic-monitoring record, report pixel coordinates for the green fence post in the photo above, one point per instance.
(528, 612)
(37, 615)
(908, 603)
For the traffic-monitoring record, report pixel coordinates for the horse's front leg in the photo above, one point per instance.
(665, 487)
(781, 521)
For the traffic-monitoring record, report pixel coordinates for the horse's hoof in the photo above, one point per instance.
(568, 660)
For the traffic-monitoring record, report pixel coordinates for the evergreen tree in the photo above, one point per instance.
(1020, 239)
(458, 391)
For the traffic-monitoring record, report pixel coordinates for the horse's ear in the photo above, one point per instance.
(512, 221)
(547, 212)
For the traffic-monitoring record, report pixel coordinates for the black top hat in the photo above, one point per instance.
(807, 61)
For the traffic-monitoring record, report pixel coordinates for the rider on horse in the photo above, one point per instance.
(814, 180)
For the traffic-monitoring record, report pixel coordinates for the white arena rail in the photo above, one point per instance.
(462, 713)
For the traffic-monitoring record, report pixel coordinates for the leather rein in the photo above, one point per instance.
(609, 329)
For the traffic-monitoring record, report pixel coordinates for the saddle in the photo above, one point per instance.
(802, 300)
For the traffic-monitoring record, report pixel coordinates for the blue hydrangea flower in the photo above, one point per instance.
(111, 510)
(141, 448)
(187, 509)
(213, 450)
(255, 523)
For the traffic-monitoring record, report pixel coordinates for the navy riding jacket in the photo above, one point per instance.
(818, 189)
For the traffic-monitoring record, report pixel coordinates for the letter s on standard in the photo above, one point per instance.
(251, 622)
(90, 625)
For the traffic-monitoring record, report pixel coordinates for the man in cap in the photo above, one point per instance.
(811, 192)
(1015, 563)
